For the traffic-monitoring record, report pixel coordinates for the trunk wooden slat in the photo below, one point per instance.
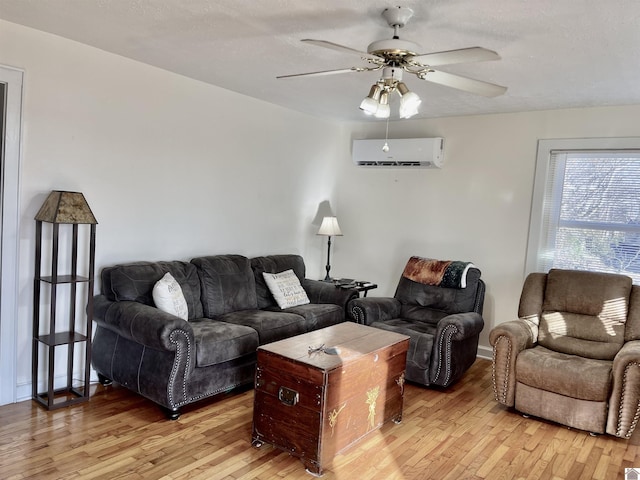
(314, 404)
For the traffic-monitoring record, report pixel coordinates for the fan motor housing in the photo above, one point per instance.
(393, 48)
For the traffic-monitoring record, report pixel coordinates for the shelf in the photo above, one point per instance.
(76, 320)
(61, 338)
(63, 397)
(64, 279)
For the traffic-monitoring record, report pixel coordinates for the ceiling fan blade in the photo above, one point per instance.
(340, 48)
(462, 55)
(470, 85)
(320, 73)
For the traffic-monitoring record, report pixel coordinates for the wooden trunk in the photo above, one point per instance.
(315, 404)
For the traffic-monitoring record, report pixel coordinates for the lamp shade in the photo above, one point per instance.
(384, 110)
(66, 207)
(330, 227)
(370, 103)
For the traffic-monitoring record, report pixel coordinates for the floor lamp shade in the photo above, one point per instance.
(66, 207)
(329, 228)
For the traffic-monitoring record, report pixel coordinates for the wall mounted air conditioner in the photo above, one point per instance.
(402, 153)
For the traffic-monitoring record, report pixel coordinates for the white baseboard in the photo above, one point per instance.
(23, 390)
(485, 352)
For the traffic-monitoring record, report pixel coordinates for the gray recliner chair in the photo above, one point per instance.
(439, 306)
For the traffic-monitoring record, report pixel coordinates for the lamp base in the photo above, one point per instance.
(327, 278)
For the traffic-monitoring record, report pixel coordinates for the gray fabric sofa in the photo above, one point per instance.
(174, 362)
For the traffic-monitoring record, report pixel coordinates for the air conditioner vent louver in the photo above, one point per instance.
(402, 153)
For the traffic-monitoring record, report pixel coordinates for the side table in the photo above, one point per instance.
(360, 286)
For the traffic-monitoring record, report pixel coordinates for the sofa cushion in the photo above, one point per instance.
(588, 293)
(274, 264)
(218, 342)
(286, 289)
(421, 338)
(316, 315)
(448, 300)
(416, 313)
(568, 375)
(271, 326)
(227, 284)
(168, 297)
(584, 313)
(135, 281)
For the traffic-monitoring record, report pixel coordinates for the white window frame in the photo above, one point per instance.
(535, 248)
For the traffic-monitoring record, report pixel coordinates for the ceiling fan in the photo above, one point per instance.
(394, 56)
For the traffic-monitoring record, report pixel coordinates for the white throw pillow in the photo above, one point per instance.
(168, 297)
(286, 289)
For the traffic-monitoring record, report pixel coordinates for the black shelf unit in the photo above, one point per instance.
(79, 322)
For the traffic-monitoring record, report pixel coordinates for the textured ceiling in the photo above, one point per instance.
(555, 53)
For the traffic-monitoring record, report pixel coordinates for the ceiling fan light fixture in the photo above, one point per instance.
(408, 112)
(409, 101)
(383, 110)
(371, 102)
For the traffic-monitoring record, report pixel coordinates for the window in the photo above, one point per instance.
(586, 206)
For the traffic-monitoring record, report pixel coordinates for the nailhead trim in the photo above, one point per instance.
(493, 370)
(358, 314)
(174, 369)
(624, 391)
(448, 331)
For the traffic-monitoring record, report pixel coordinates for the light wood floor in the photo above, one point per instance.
(461, 433)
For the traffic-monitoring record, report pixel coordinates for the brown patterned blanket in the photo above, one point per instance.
(442, 273)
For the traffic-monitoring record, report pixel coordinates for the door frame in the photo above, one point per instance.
(10, 232)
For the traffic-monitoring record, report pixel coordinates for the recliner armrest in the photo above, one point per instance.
(373, 309)
(455, 346)
(462, 325)
(508, 340)
(144, 324)
(325, 292)
(624, 405)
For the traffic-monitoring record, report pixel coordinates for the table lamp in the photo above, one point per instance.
(329, 228)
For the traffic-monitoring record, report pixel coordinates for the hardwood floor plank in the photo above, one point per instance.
(448, 434)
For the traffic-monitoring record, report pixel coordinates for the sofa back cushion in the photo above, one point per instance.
(274, 264)
(227, 284)
(584, 313)
(135, 281)
(430, 303)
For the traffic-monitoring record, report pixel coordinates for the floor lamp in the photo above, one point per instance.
(329, 228)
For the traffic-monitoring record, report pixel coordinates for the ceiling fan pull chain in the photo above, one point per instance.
(385, 147)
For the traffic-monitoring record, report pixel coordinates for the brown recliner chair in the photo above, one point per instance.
(573, 356)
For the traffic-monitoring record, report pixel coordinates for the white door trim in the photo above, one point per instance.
(9, 240)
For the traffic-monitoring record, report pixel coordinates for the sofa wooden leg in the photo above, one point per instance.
(104, 381)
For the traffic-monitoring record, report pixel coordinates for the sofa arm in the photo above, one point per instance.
(144, 324)
(460, 326)
(455, 347)
(624, 405)
(373, 309)
(508, 340)
(325, 292)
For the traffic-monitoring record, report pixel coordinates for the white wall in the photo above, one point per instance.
(171, 167)
(175, 168)
(475, 208)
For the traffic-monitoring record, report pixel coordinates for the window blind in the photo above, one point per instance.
(591, 212)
